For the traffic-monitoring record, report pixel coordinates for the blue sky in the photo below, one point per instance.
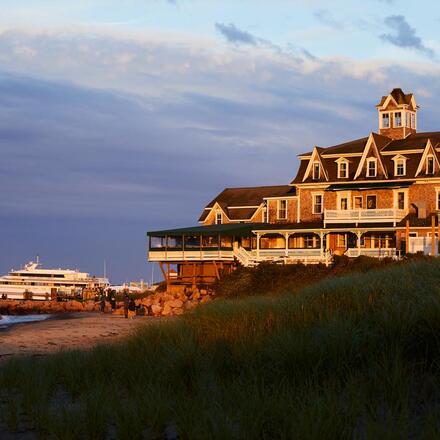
(120, 117)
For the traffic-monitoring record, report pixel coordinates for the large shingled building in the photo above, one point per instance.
(378, 196)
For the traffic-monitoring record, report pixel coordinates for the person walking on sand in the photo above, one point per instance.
(126, 304)
(102, 304)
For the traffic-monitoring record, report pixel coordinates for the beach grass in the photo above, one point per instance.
(351, 357)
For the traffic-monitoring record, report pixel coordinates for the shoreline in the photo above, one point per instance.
(67, 332)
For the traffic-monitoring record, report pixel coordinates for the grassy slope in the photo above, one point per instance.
(350, 357)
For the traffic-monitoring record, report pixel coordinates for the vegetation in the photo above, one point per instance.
(351, 357)
(272, 279)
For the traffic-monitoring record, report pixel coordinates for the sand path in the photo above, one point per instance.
(76, 331)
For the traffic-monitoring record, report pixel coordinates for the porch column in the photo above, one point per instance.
(358, 236)
(321, 238)
(433, 236)
(407, 237)
(258, 246)
(286, 238)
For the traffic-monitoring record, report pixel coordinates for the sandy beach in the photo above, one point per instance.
(67, 332)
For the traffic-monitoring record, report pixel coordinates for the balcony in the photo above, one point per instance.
(363, 215)
(173, 255)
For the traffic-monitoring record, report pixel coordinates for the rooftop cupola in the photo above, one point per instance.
(397, 114)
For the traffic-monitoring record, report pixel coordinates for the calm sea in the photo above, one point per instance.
(6, 321)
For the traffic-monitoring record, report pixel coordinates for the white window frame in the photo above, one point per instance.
(397, 162)
(405, 198)
(217, 214)
(314, 168)
(315, 194)
(279, 210)
(382, 125)
(413, 121)
(437, 199)
(395, 119)
(343, 162)
(430, 156)
(371, 160)
(408, 119)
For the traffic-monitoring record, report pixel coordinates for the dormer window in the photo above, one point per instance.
(316, 170)
(413, 120)
(399, 166)
(385, 120)
(342, 169)
(371, 167)
(408, 119)
(398, 119)
(430, 165)
(218, 218)
(282, 210)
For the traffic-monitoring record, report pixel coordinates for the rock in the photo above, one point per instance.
(203, 292)
(178, 311)
(175, 304)
(156, 309)
(205, 299)
(166, 310)
(195, 295)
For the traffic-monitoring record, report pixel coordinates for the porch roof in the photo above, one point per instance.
(370, 185)
(230, 229)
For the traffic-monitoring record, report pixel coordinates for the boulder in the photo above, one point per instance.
(178, 311)
(166, 310)
(156, 309)
(175, 304)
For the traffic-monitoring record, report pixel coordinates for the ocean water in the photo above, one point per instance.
(7, 320)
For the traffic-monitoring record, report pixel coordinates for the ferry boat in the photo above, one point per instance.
(34, 282)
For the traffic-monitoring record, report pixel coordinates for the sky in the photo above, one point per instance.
(120, 117)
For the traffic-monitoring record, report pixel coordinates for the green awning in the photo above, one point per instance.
(368, 185)
(230, 229)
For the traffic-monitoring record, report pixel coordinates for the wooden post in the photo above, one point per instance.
(407, 237)
(321, 238)
(194, 276)
(258, 246)
(433, 236)
(217, 273)
(359, 235)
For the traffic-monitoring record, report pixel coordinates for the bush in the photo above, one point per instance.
(270, 278)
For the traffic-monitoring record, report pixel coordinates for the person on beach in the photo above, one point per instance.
(102, 304)
(126, 304)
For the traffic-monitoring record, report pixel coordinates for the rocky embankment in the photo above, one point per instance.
(156, 304)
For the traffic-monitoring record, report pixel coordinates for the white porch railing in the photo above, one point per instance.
(373, 252)
(363, 215)
(190, 255)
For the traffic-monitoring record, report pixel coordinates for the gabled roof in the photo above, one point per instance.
(242, 203)
(399, 97)
(414, 143)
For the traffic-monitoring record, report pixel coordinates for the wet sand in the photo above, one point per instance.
(67, 332)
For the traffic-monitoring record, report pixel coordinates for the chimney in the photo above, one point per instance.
(421, 210)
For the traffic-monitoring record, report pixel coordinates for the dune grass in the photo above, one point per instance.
(354, 357)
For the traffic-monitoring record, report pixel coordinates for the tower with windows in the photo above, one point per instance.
(397, 114)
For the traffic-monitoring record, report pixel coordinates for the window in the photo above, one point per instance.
(400, 165)
(413, 120)
(342, 170)
(317, 204)
(316, 170)
(438, 199)
(344, 203)
(342, 240)
(358, 202)
(282, 209)
(218, 218)
(397, 119)
(385, 120)
(371, 168)
(408, 119)
(371, 202)
(400, 200)
(430, 165)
